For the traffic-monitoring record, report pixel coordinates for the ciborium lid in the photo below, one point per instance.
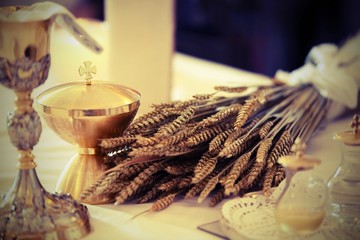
(89, 98)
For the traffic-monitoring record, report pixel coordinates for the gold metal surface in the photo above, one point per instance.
(96, 111)
(82, 113)
(101, 98)
(24, 39)
(26, 160)
(80, 173)
(28, 211)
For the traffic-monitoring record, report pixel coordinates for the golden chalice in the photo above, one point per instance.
(82, 113)
(28, 211)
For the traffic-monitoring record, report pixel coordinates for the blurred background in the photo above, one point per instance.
(260, 35)
(256, 35)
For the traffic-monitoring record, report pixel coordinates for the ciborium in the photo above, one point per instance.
(28, 211)
(82, 113)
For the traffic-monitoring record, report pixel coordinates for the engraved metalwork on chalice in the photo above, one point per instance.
(28, 211)
(82, 113)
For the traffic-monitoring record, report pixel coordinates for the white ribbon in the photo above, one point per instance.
(334, 71)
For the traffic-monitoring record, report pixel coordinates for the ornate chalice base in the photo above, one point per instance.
(28, 211)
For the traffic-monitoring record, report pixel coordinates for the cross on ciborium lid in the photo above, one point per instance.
(87, 69)
(351, 137)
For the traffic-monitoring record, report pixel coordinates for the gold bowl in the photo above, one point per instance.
(82, 114)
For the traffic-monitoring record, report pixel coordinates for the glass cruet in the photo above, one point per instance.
(344, 185)
(300, 209)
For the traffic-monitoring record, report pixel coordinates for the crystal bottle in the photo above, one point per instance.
(344, 185)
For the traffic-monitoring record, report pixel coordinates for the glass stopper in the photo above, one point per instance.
(299, 161)
(351, 137)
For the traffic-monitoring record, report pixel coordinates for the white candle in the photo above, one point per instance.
(141, 47)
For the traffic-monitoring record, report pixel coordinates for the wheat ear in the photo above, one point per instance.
(164, 202)
(237, 169)
(130, 189)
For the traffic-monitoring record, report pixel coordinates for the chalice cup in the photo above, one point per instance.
(28, 211)
(82, 113)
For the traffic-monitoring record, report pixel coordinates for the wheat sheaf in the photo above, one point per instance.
(210, 147)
